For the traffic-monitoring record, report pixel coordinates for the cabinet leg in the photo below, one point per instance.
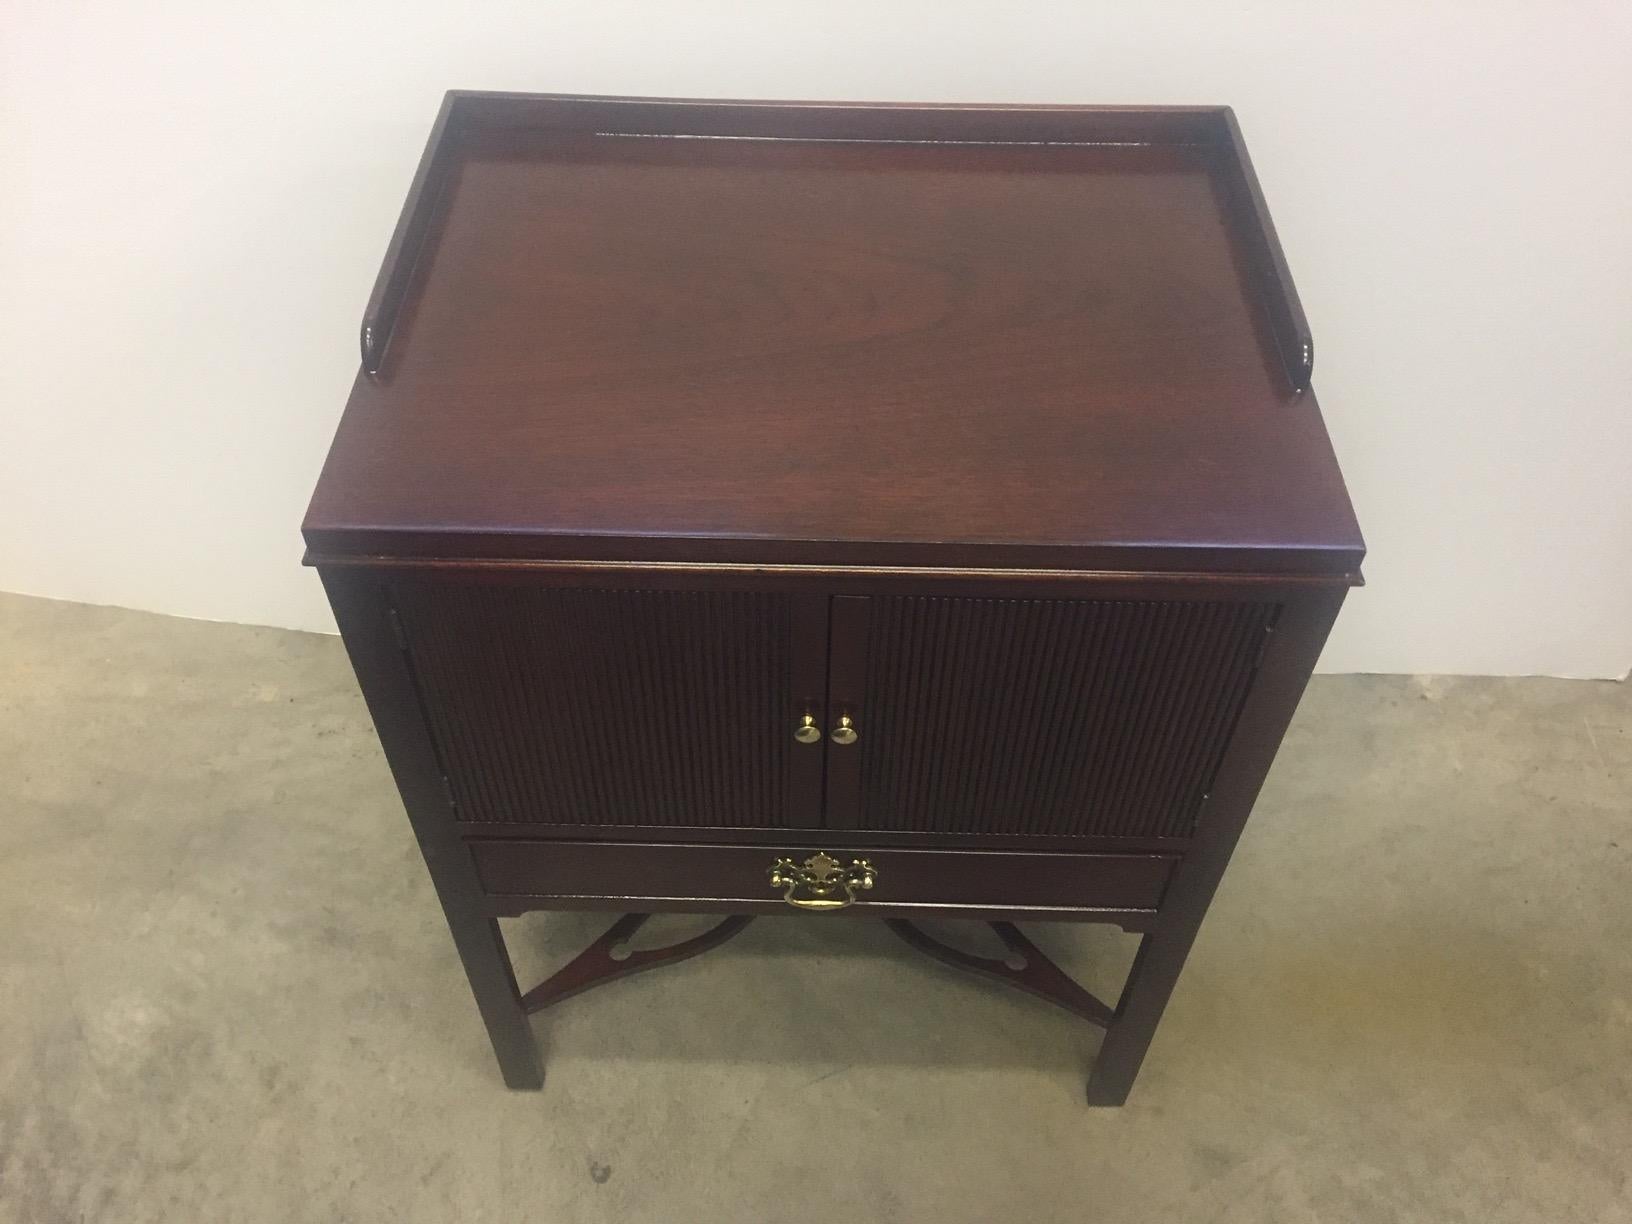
(367, 624)
(493, 982)
(1149, 985)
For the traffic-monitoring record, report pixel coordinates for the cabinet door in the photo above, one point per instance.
(1043, 717)
(663, 709)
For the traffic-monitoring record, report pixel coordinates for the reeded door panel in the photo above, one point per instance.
(666, 709)
(1042, 717)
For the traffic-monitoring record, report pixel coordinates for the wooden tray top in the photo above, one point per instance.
(807, 333)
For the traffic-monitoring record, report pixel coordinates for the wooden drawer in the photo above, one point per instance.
(523, 875)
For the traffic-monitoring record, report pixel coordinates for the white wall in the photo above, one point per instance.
(194, 198)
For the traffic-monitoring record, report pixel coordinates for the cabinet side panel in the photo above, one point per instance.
(616, 707)
(1052, 717)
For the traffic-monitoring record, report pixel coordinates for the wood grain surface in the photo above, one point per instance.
(842, 350)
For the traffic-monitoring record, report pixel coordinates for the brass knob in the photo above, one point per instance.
(844, 731)
(807, 732)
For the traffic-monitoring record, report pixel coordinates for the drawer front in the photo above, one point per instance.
(737, 878)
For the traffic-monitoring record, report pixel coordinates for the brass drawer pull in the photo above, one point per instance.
(844, 731)
(822, 877)
(807, 732)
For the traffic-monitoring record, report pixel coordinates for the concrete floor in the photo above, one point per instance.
(226, 993)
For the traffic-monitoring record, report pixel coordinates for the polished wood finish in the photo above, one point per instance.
(733, 879)
(924, 338)
(1287, 665)
(363, 614)
(984, 433)
(610, 958)
(658, 708)
(1026, 968)
(1039, 717)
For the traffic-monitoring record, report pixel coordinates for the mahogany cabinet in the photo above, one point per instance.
(823, 509)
